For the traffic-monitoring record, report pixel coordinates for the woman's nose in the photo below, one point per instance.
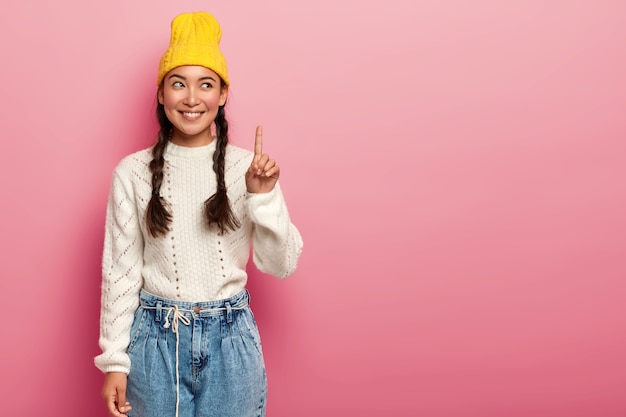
(191, 99)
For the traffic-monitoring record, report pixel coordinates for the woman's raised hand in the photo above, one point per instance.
(263, 172)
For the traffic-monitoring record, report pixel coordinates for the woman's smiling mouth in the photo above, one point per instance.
(191, 115)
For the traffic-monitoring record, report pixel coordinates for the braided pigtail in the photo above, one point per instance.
(158, 216)
(217, 208)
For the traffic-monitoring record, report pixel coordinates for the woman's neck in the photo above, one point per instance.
(191, 141)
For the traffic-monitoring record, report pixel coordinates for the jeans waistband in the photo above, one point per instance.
(197, 309)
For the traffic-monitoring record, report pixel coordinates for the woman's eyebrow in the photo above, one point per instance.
(177, 76)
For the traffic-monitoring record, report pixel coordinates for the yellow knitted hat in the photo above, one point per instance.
(194, 41)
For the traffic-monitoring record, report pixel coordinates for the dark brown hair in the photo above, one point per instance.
(217, 210)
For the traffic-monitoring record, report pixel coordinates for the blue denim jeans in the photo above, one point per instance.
(196, 359)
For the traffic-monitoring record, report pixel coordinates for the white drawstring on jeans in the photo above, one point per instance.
(176, 316)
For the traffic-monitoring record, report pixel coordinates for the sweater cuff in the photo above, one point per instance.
(109, 364)
(265, 206)
(113, 368)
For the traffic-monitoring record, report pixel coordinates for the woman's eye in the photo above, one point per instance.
(177, 84)
(206, 85)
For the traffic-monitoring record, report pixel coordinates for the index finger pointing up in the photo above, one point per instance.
(258, 141)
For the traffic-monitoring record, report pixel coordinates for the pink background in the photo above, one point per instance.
(457, 170)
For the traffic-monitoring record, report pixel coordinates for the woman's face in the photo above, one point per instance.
(191, 97)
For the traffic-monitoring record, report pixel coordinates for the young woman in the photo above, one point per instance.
(178, 337)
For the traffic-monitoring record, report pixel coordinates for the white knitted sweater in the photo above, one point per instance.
(192, 262)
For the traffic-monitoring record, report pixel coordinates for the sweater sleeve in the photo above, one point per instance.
(121, 276)
(276, 242)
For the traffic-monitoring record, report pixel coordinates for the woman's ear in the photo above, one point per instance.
(223, 94)
(160, 95)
